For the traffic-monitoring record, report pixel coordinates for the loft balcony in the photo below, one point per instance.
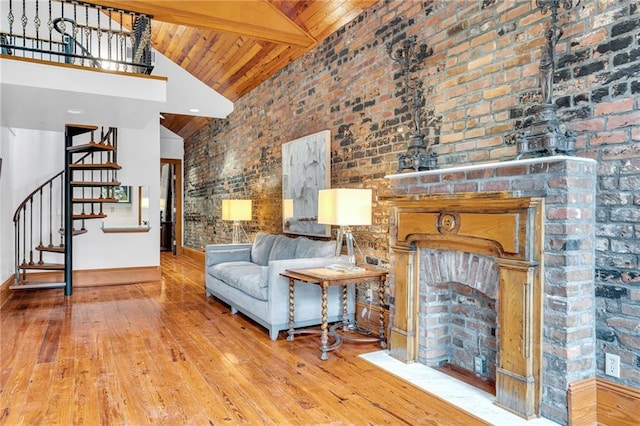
(77, 33)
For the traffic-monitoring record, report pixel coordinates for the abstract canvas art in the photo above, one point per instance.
(306, 168)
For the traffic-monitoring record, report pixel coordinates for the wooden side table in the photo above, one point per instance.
(325, 277)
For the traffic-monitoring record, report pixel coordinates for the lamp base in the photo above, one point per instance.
(344, 233)
(238, 234)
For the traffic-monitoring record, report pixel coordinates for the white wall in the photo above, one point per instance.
(171, 145)
(7, 137)
(139, 156)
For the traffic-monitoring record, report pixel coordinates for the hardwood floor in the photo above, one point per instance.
(162, 353)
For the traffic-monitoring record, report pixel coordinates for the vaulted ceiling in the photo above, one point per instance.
(234, 45)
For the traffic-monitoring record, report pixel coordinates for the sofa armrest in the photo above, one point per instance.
(220, 253)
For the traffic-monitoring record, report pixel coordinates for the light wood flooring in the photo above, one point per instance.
(163, 354)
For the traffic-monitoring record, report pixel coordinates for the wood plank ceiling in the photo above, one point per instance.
(234, 45)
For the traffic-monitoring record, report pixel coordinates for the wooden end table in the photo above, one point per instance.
(325, 278)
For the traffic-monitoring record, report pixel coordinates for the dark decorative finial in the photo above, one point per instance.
(416, 158)
(545, 137)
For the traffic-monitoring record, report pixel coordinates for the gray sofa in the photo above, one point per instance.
(247, 278)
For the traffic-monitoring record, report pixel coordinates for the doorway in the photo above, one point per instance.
(171, 205)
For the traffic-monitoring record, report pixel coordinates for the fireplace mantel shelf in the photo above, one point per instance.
(478, 197)
(494, 165)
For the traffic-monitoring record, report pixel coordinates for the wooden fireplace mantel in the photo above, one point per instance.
(502, 225)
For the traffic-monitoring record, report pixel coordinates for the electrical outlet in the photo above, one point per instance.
(479, 365)
(612, 365)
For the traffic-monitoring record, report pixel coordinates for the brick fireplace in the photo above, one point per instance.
(497, 261)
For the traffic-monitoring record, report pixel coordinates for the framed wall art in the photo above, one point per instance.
(306, 169)
(120, 193)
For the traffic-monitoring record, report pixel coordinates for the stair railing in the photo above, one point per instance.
(79, 33)
(27, 233)
(47, 204)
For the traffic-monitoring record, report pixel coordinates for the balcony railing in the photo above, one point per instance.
(76, 32)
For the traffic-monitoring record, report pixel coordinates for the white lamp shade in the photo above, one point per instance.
(287, 208)
(344, 206)
(144, 203)
(236, 209)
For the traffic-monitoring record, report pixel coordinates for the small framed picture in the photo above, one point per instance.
(120, 193)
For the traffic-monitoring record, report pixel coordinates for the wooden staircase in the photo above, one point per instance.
(81, 190)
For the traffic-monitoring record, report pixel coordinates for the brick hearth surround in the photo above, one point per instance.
(545, 284)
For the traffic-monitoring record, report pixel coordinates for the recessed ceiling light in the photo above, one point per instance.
(194, 110)
(74, 111)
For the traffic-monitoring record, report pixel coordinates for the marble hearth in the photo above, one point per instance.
(517, 238)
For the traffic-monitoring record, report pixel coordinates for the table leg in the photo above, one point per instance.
(291, 307)
(345, 316)
(381, 290)
(324, 339)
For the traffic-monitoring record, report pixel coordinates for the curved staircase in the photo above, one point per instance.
(44, 228)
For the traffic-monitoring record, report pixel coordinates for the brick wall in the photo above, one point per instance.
(480, 87)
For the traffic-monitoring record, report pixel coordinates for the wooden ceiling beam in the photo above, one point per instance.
(254, 18)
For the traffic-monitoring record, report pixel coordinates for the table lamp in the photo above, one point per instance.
(345, 207)
(237, 210)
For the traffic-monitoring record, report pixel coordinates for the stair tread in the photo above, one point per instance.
(79, 129)
(51, 249)
(89, 216)
(94, 200)
(93, 183)
(95, 166)
(36, 285)
(43, 266)
(91, 147)
(75, 231)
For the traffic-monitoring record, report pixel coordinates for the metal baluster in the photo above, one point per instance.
(121, 41)
(24, 21)
(74, 31)
(16, 228)
(87, 32)
(31, 231)
(114, 143)
(51, 214)
(62, 210)
(24, 234)
(10, 18)
(37, 22)
(109, 38)
(40, 225)
(99, 34)
(65, 38)
(132, 41)
(50, 26)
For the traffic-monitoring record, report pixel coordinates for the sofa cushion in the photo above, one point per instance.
(248, 277)
(283, 248)
(261, 248)
(311, 248)
(230, 255)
